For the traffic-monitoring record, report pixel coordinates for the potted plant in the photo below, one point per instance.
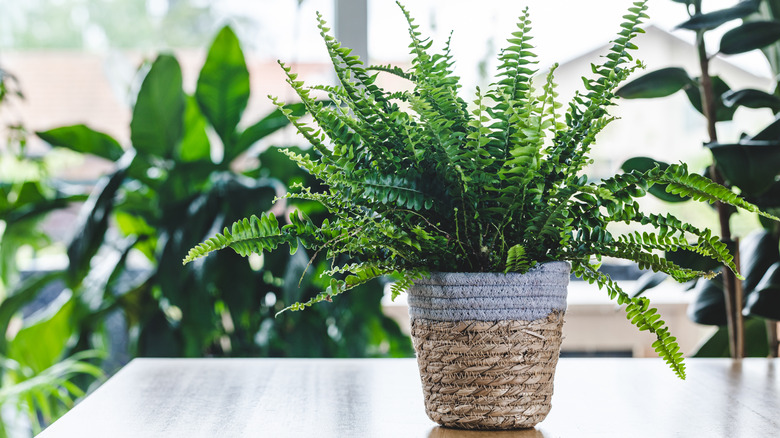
(480, 212)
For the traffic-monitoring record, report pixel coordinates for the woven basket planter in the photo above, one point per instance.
(487, 345)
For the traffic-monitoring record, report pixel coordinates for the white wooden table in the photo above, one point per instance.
(382, 398)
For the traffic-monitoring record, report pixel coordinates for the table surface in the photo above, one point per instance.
(383, 397)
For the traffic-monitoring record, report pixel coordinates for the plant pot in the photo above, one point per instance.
(487, 344)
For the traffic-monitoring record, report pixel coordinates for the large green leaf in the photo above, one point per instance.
(93, 221)
(659, 83)
(84, 139)
(764, 301)
(709, 306)
(185, 180)
(691, 260)
(194, 144)
(643, 164)
(769, 199)
(223, 87)
(22, 294)
(749, 36)
(756, 344)
(719, 88)
(757, 252)
(711, 20)
(27, 209)
(157, 124)
(750, 166)
(43, 339)
(752, 99)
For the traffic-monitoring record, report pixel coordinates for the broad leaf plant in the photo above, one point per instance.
(421, 181)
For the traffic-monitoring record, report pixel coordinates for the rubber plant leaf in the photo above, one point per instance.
(643, 164)
(709, 306)
(711, 20)
(752, 166)
(764, 301)
(660, 83)
(720, 87)
(751, 99)
(749, 36)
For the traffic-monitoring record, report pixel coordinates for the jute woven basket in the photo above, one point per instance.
(487, 345)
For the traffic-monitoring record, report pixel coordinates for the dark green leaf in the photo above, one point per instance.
(186, 179)
(94, 222)
(44, 337)
(751, 99)
(157, 124)
(719, 88)
(764, 301)
(691, 260)
(81, 138)
(757, 252)
(711, 20)
(769, 199)
(223, 87)
(709, 306)
(22, 294)
(751, 166)
(34, 209)
(643, 164)
(659, 83)
(195, 144)
(750, 36)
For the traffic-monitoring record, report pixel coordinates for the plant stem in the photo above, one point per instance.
(731, 285)
(771, 330)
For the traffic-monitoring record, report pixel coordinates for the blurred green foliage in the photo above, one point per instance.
(38, 380)
(184, 176)
(750, 165)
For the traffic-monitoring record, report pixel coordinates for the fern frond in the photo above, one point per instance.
(571, 147)
(639, 312)
(315, 137)
(516, 260)
(394, 70)
(700, 188)
(359, 273)
(646, 260)
(406, 281)
(247, 236)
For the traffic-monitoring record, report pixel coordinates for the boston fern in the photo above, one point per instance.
(421, 181)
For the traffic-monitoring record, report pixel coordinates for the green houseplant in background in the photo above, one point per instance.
(420, 184)
(167, 194)
(40, 383)
(751, 164)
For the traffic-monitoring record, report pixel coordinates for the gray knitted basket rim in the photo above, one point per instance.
(491, 296)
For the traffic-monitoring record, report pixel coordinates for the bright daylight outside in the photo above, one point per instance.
(410, 238)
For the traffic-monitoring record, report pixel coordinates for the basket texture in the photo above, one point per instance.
(479, 368)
